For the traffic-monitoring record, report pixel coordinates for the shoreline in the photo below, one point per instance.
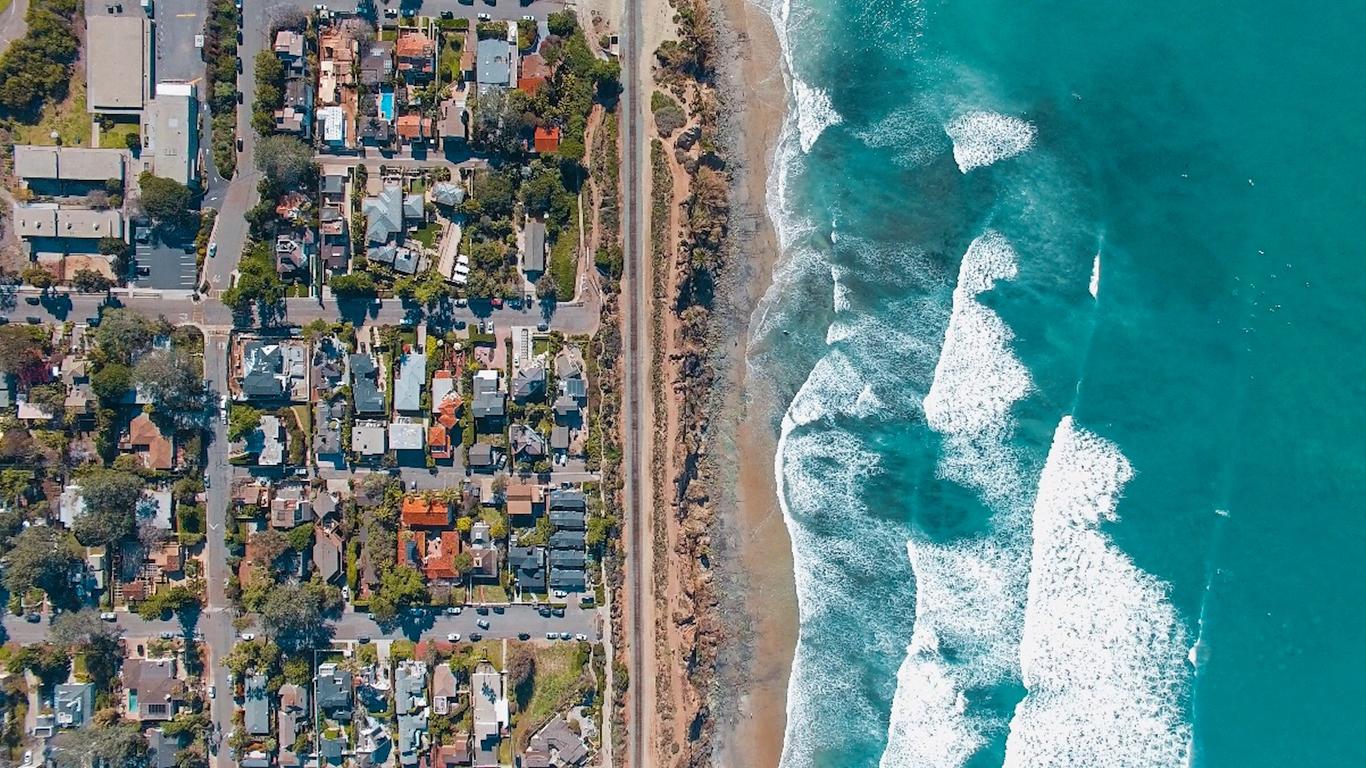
(760, 550)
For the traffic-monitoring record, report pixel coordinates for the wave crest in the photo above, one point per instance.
(982, 138)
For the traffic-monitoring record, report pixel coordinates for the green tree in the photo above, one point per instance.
(99, 642)
(111, 381)
(494, 193)
(242, 421)
(124, 334)
(399, 588)
(42, 556)
(295, 614)
(166, 200)
(175, 385)
(111, 500)
(37, 277)
(285, 160)
(561, 23)
(90, 281)
(116, 743)
(353, 284)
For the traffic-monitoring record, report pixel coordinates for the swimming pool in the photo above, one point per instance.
(386, 105)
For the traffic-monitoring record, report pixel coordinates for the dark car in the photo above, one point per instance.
(543, 327)
(4, 320)
(482, 623)
(475, 637)
(523, 635)
(33, 320)
(558, 612)
(482, 610)
(544, 611)
(33, 618)
(142, 234)
(31, 299)
(447, 15)
(93, 321)
(498, 609)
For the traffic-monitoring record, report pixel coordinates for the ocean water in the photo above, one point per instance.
(1066, 334)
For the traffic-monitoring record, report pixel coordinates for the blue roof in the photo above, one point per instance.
(408, 383)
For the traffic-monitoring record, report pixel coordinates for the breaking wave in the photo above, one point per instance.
(982, 138)
(815, 113)
(1103, 654)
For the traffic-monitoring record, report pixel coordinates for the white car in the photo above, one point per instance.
(485, 17)
(528, 17)
(213, 250)
(582, 638)
(560, 593)
(108, 616)
(248, 636)
(213, 691)
(453, 637)
(551, 636)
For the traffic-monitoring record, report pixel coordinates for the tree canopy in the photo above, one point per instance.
(175, 384)
(111, 500)
(41, 556)
(399, 588)
(285, 161)
(166, 200)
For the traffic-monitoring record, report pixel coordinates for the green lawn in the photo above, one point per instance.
(564, 257)
(68, 118)
(427, 234)
(557, 675)
(117, 137)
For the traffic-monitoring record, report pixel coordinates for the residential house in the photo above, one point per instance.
(73, 704)
(567, 409)
(438, 562)
(410, 707)
(294, 713)
(524, 502)
(328, 418)
(529, 382)
(153, 448)
(490, 712)
(161, 749)
(567, 539)
(335, 249)
(484, 564)
(257, 706)
(483, 457)
(535, 71)
(451, 123)
(525, 443)
(533, 252)
(333, 691)
(295, 116)
(327, 555)
(416, 55)
(289, 48)
(271, 370)
(294, 250)
(375, 132)
(406, 435)
(384, 215)
(151, 689)
(412, 372)
(332, 189)
(528, 567)
(488, 396)
(559, 438)
(555, 745)
(415, 129)
(496, 64)
(455, 754)
(377, 63)
(425, 512)
(66, 171)
(364, 385)
(445, 689)
(267, 443)
(337, 54)
(447, 193)
(368, 438)
(255, 758)
(290, 507)
(547, 139)
(332, 126)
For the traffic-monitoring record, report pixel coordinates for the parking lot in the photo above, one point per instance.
(167, 267)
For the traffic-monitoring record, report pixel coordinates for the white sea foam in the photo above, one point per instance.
(1103, 651)
(977, 378)
(968, 592)
(982, 138)
(815, 113)
(1095, 277)
(914, 133)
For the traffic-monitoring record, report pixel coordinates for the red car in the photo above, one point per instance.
(496, 302)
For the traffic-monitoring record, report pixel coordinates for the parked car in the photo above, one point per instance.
(454, 610)
(363, 639)
(544, 611)
(482, 610)
(475, 637)
(497, 302)
(391, 13)
(564, 635)
(560, 594)
(447, 15)
(523, 635)
(543, 327)
(482, 623)
(166, 634)
(108, 616)
(213, 250)
(453, 637)
(248, 636)
(33, 320)
(559, 612)
(528, 17)
(498, 609)
(485, 17)
(31, 299)
(551, 636)
(581, 637)
(33, 618)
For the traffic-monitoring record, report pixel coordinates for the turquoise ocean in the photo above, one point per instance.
(1066, 337)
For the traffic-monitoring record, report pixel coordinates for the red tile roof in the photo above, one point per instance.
(547, 139)
(439, 441)
(419, 511)
(439, 562)
(145, 438)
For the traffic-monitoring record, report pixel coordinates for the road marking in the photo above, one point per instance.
(186, 15)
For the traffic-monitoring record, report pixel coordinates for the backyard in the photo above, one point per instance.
(67, 118)
(559, 669)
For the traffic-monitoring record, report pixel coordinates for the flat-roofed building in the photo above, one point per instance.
(67, 164)
(118, 52)
(171, 130)
(48, 221)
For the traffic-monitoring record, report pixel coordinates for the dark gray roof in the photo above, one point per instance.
(334, 688)
(567, 539)
(333, 184)
(528, 382)
(364, 391)
(566, 405)
(567, 558)
(257, 706)
(384, 214)
(533, 260)
(487, 404)
(569, 579)
(567, 499)
(494, 62)
(261, 366)
(572, 519)
(559, 438)
(162, 748)
(481, 455)
(575, 388)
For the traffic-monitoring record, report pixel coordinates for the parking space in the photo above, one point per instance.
(165, 267)
(177, 24)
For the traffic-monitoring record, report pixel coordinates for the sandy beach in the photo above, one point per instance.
(763, 551)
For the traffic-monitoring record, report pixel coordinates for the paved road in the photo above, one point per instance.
(17, 630)
(515, 619)
(178, 307)
(12, 23)
(177, 22)
(217, 620)
(636, 390)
